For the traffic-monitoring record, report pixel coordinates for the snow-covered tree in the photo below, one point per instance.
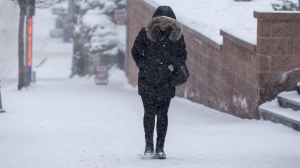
(95, 37)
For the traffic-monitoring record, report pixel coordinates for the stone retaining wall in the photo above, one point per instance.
(235, 77)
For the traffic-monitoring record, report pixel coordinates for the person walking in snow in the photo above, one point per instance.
(159, 51)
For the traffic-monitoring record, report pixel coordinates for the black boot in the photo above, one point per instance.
(160, 154)
(149, 149)
(159, 151)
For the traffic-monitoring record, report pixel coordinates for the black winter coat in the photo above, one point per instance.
(154, 50)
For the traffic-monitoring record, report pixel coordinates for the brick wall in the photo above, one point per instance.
(235, 77)
(278, 47)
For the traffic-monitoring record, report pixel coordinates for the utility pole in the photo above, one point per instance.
(30, 11)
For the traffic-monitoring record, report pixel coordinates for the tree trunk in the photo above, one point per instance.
(21, 46)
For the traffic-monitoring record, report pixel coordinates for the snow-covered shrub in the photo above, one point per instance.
(285, 5)
(96, 37)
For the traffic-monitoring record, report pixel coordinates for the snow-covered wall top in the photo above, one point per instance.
(209, 16)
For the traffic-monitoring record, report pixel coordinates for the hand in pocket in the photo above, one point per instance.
(171, 67)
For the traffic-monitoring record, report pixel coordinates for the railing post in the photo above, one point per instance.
(1, 110)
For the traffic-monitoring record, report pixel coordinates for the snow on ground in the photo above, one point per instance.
(209, 16)
(9, 21)
(73, 123)
(53, 50)
(274, 107)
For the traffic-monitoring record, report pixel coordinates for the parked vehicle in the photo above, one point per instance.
(64, 27)
(56, 33)
(59, 10)
(68, 28)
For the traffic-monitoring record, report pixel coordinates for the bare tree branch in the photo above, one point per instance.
(46, 3)
(39, 3)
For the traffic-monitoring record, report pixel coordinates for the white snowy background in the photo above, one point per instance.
(72, 123)
(9, 24)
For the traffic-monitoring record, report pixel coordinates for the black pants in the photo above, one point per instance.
(159, 106)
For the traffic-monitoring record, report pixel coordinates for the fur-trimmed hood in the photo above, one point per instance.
(153, 30)
(164, 14)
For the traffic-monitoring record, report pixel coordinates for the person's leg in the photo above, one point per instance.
(162, 125)
(149, 121)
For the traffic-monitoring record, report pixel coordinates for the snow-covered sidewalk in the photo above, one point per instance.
(75, 123)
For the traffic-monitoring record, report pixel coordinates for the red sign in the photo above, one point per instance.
(120, 16)
(101, 75)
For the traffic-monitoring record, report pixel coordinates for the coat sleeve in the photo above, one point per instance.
(180, 73)
(138, 49)
(182, 54)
